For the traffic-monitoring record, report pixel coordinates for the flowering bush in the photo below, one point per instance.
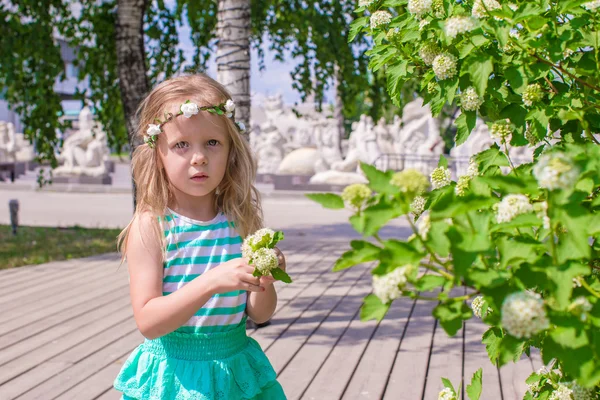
(523, 239)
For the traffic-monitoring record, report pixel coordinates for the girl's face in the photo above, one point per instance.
(194, 153)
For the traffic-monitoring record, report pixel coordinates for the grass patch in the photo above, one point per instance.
(38, 245)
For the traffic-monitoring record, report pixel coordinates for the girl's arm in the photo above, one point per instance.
(155, 314)
(261, 306)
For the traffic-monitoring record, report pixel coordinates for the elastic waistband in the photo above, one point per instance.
(199, 346)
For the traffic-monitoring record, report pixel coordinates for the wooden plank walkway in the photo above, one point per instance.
(66, 328)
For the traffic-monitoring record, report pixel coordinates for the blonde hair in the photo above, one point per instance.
(235, 196)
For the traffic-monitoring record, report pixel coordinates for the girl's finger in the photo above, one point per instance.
(253, 288)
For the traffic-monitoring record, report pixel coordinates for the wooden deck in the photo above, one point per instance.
(66, 328)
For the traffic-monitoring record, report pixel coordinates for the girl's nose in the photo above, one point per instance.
(199, 158)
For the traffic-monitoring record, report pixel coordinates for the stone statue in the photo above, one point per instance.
(8, 145)
(328, 144)
(85, 151)
(270, 150)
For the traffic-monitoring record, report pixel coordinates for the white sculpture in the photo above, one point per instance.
(8, 145)
(85, 151)
(328, 144)
(270, 150)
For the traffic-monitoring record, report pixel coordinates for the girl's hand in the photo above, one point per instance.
(233, 275)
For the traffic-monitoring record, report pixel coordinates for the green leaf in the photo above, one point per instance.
(257, 273)
(514, 251)
(492, 339)
(429, 282)
(281, 275)
(517, 78)
(327, 200)
(480, 68)
(379, 181)
(373, 308)
(491, 157)
(451, 315)
(277, 237)
(512, 184)
(465, 123)
(379, 214)
(356, 26)
(443, 161)
(447, 384)
(361, 252)
(474, 389)
(396, 253)
(575, 243)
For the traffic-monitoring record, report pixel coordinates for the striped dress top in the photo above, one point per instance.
(192, 248)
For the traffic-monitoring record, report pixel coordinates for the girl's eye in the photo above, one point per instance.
(213, 142)
(182, 145)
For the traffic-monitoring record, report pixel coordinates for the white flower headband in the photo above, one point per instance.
(188, 109)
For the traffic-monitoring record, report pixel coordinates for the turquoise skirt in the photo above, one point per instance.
(216, 366)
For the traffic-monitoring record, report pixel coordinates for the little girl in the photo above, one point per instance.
(191, 290)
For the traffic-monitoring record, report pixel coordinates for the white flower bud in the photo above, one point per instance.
(532, 94)
(429, 52)
(356, 195)
(511, 206)
(365, 3)
(501, 130)
(473, 169)
(241, 125)
(379, 18)
(524, 315)
(418, 205)
(477, 306)
(562, 393)
(189, 109)
(446, 394)
(592, 5)
(462, 185)
(480, 6)
(440, 177)
(265, 260)
(444, 66)
(419, 7)
(388, 287)
(555, 171)
(457, 25)
(470, 100)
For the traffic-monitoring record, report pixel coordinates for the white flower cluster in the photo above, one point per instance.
(419, 7)
(379, 18)
(265, 260)
(532, 94)
(438, 9)
(444, 66)
(511, 206)
(501, 130)
(410, 181)
(592, 5)
(440, 177)
(473, 168)
(446, 394)
(423, 226)
(480, 6)
(477, 306)
(470, 100)
(429, 52)
(365, 3)
(581, 393)
(393, 35)
(555, 171)
(562, 393)
(524, 315)
(388, 287)
(253, 239)
(462, 185)
(457, 25)
(418, 205)
(541, 210)
(356, 195)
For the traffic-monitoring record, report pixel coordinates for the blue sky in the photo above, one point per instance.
(274, 79)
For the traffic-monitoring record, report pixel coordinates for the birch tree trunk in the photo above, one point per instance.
(131, 65)
(233, 54)
(131, 60)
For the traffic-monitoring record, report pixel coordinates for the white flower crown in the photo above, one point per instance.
(188, 109)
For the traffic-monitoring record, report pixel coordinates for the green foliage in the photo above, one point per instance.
(523, 238)
(474, 389)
